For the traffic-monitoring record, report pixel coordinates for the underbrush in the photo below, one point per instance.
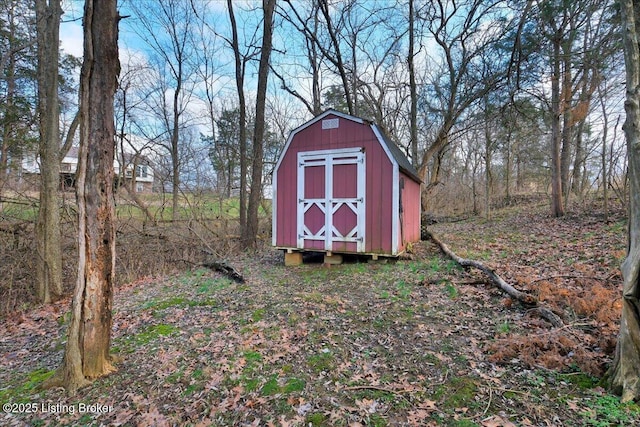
(571, 265)
(143, 247)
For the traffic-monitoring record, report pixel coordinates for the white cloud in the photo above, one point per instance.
(71, 38)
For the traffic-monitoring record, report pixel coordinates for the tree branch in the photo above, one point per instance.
(523, 297)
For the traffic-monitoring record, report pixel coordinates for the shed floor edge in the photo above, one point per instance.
(377, 254)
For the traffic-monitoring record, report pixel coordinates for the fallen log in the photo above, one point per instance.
(224, 268)
(516, 294)
(220, 266)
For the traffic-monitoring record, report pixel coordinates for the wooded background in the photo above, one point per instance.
(491, 101)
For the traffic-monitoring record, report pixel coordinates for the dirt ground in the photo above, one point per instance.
(417, 341)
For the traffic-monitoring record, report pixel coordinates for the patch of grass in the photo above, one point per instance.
(154, 332)
(193, 388)
(313, 297)
(64, 319)
(252, 357)
(464, 423)
(316, 419)
(271, 387)
(175, 376)
(148, 334)
(314, 275)
(460, 392)
(323, 361)
(251, 384)
(479, 255)
(434, 265)
(619, 227)
(377, 421)
(451, 266)
(415, 266)
(212, 285)
(381, 323)
(452, 291)
(293, 385)
(19, 393)
(503, 328)
(403, 291)
(355, 268)
(580, 379)
(258, 315)
(606, 410)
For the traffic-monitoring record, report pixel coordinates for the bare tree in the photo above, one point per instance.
(128, 152)
(286, 72)
(469, 67)
(413, 89)
(167, 28)
(49, 266)
(332, 49)
(89, 336)
(240, 67)
(578, 37)
(251, 231)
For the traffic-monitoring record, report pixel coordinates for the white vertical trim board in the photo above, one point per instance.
(274, 209)
(395, 209)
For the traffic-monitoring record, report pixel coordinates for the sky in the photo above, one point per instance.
(71, 27)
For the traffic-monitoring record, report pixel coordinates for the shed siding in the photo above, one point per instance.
(411, 208)
(378, 206)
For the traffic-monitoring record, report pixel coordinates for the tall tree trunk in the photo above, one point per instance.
(578, 162)
(175, 144)
(567, 121)
(508, 166)
(338, 62)
(255, 197)
(603, 155)
(49, 265)
(557, 204)
(89, 336)
(242, 107)
(488, 177)
(413, 119)
(623, 376)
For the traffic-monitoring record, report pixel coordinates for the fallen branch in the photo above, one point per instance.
(219, 265)
(378, 388)
(224, 268)
(518, 295)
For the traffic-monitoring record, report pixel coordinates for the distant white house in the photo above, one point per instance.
(141, 181)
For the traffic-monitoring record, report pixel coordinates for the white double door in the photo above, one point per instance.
(331, 200)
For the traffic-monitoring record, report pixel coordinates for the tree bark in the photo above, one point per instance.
(49, 266)
(623, 376)
(250, 236)
(89, 336)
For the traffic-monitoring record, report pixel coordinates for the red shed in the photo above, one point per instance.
(340, 185)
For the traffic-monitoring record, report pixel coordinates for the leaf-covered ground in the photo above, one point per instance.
(412, 342)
